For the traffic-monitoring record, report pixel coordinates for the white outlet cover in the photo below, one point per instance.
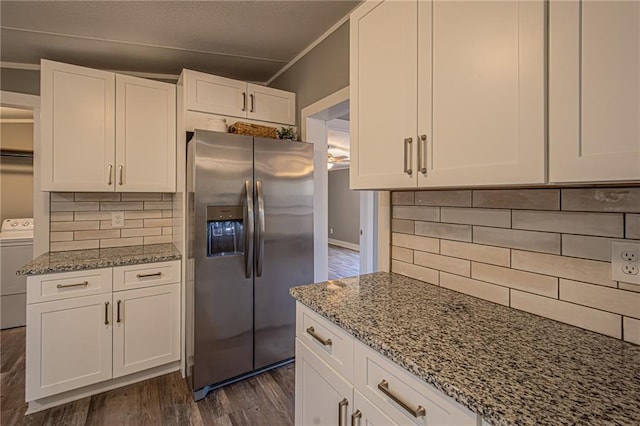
(618, 263)
(117, 219)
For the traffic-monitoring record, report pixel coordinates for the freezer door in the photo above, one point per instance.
(284, 242)
(223, 294)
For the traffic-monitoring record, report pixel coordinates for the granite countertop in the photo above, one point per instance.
(78, 260)
(509, 366)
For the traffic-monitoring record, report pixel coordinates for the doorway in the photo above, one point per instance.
(345, 221)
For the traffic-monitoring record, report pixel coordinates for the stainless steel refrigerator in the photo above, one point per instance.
(250, 238)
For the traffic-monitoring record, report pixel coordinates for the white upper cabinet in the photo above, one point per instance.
(214, 94)
(481, 91)
(447, 93)
(106, 132)
(78, 133)
(224, 96)
(145, 135)
(383, 90)
(274, 105)
(594, 91)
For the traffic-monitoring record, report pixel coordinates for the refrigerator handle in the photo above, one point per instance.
(260, 230)
(248, 231)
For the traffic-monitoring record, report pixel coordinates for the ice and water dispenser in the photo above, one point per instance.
(225, 230)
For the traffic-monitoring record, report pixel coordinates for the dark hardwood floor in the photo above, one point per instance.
(267, 399)
(343, 262)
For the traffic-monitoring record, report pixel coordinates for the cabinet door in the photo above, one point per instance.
(383, 76)
(78, 146)
(267, 104)
(320, 391)
(217, 95)
(68, 344)
(146, 329)
(369, 414)
(481, 92)
(594, 91)
(145, 135)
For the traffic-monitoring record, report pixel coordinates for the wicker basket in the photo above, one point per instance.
(242, 128)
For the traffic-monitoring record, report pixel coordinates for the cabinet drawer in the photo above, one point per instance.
(146, 275)
(402, 388)
(65, 285)
(328, 341)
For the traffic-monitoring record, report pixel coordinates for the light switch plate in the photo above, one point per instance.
(117, 219)
(625, 262)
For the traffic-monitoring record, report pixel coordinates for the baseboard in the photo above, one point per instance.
(345, 244)
(73, 395)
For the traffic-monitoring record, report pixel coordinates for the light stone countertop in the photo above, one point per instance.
(78, 260)
(509, 366)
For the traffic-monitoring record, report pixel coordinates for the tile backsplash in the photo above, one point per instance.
(82, 220)
(544, 251)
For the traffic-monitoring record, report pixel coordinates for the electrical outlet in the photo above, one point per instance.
(629, 256)
(331, 230)
(625, 266)
(117, 219)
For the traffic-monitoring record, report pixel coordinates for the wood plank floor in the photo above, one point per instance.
(343, 262)
(267, 399)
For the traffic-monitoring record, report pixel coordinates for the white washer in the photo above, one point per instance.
(16, 249)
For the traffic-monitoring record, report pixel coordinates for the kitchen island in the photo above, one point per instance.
(508, 366)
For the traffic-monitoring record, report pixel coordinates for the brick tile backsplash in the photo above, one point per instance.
(544, 251)
(624, 200)
(82, 220)
(443, 198)
(632, 229)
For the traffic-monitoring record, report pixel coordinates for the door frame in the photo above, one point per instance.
(40, 198)
(314, 130)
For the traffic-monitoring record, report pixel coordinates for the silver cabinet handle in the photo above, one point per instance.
(106, 313)
(248, 235)
(407, 156)
(155, 274)
(244, 101)
(261, 230)
(252, 98)
(82, 284)
(120, 169)
(118, 304)
(355, 418)
(342, 412)
(422, 154)
(110, 181)
(418, 412)
(325, 342)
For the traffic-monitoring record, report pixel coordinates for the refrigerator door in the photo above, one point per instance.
(223, 294)
(284, 242)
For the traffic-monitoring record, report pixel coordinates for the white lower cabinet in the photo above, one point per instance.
(75, 340)
(379, 391)
(326, 398)
(68, 344)
(146, 329)
(367, 414)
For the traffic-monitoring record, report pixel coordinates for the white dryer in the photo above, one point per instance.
(16, 249)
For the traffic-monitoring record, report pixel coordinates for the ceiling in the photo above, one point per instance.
(245, 40)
